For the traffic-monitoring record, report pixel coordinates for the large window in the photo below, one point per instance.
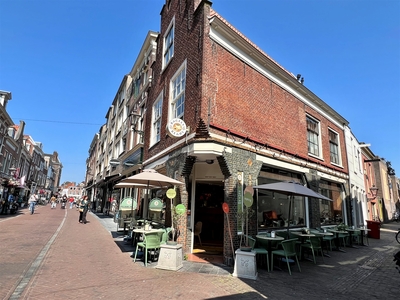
(273, 208)
(313, 136)
(178, 93)
(334, 147)
(331, 211)
(169, 44)
(157, 113)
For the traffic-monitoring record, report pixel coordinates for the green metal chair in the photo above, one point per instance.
(164, 237)
(314, 245)
(151, 241)
(258, 250)
(343, 237)
(289, 250)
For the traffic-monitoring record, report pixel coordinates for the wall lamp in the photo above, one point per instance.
(134, 122)
(374, 191)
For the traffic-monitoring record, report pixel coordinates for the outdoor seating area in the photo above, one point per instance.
(288, 248)
(147, 240)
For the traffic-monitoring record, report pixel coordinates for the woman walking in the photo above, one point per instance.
(83, 208)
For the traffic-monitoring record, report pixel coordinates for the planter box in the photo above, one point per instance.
(245, 265)
(170, 257)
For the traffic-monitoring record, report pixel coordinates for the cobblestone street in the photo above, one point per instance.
(55, 257)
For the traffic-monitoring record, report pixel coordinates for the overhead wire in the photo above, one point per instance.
(60, 122)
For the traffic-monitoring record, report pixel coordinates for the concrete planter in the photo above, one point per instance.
(170, 257)
(245, 265)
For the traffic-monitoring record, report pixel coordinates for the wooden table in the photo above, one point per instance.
(269, 240)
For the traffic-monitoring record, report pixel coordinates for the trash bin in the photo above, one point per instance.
(375, 227)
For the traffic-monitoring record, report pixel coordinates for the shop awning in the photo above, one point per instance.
(156, 204)
(128, 204)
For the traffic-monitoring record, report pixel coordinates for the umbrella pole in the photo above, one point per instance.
(290, 206)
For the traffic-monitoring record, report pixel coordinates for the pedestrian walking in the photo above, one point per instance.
(78, 203)
(83, 209)
(53, 201)
(71, 202)
(32, 202)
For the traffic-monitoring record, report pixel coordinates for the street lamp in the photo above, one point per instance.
(134, 122)
(374, 191)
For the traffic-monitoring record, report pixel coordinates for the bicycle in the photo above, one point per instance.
(398, 236)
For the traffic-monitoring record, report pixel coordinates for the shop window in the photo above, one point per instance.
(273, 208)
(330, 211)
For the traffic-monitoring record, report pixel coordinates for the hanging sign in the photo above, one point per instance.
(180, 209)
(156, 204)
(171, 193)
(176, 128)
(225, 207)
(248, 199)
(128, 204)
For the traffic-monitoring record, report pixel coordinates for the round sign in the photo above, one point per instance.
(180, 209)
(176, 127)
(248, 199)
(249, 189)
(171, 193)
(225, 207)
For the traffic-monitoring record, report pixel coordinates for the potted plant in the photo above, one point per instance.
(342, 227)
(243, 217)
(176, 214)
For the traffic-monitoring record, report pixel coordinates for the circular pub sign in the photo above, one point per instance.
(225, 207)
(176, 128)
(180, 209)
(248, 199)
(171, 193)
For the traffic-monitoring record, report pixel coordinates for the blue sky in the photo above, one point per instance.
(64, 60)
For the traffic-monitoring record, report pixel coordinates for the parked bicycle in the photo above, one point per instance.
(398, 236)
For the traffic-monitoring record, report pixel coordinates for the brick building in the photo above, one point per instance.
(246, 121)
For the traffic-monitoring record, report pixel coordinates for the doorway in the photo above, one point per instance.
(208, 210)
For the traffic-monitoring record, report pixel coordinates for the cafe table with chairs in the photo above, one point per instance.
(270, 240)
(353, 232)
(339, 234)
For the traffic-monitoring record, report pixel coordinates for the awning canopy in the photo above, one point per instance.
(128, 204)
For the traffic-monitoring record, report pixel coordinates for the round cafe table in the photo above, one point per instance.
(140, 231)
(269, 241)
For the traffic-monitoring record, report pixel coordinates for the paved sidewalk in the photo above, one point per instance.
(91, 261)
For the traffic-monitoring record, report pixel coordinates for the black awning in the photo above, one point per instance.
(111, 178)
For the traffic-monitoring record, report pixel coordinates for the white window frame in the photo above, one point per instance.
(156, 119)
(169, 44)
(177, 92)
(339, 163)
(317, 143)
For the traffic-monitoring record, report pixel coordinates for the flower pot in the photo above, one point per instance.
(172, 243)
(245, 248)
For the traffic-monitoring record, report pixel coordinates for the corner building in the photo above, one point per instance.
(248, 121)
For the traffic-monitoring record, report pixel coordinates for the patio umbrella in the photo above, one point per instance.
(121, 185)
(150, 179)
(291, 189)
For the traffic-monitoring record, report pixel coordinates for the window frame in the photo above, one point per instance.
(316, 142)
(339, 158)
(157, 119)
(169, 44)
(173, 113)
